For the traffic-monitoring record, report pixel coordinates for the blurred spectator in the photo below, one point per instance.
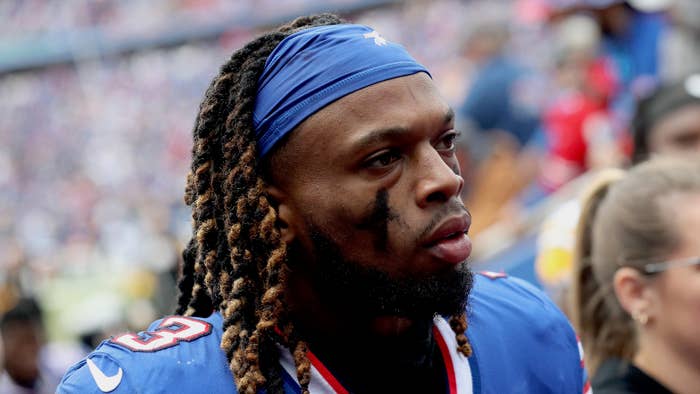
(23, 338)
(631, 33)
(668, 121)
(555, 245)
(580, 128)
(601, 77)
(581, 131)
(635, 293)
(605, 54)
(497, 99)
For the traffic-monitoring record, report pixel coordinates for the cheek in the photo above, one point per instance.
(383, 223)
(344, 213)
(693, 301)
(371, 227)
(681, 304)
(686, 321)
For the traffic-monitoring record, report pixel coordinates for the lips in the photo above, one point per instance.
(450, 242)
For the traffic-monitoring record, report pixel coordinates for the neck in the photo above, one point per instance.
(675, 368)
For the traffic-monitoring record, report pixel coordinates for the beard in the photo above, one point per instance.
(370, 292)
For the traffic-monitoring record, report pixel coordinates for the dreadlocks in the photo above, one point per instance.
(236, 261)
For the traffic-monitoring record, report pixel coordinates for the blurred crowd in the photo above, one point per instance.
(134, 17)
(93, 154)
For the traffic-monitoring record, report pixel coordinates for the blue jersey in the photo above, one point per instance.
(521, 344)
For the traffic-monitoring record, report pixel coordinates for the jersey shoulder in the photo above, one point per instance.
(502, 290)
(517, 334)
(175, 351)
(517, 307)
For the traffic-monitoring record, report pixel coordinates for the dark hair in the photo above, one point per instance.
(26, 310)
(651, 109)
(236, 261)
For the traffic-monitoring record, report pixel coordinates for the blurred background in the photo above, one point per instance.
(98, 99)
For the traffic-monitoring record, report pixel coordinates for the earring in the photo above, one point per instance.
(640, 317)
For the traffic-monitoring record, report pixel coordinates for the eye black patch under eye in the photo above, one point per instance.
(378, 219)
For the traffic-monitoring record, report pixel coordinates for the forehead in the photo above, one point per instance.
(409, 102)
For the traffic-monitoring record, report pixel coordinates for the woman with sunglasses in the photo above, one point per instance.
(636, 291)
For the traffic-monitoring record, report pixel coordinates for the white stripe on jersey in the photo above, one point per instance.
(462, 369)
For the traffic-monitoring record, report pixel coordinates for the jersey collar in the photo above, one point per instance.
(459, 375)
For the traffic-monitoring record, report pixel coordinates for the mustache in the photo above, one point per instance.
(452, 208)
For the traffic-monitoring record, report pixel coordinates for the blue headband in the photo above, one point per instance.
(314, 67)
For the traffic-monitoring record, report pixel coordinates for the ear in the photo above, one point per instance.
(633, 292)
(285, 214)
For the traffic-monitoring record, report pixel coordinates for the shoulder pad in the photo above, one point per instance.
(98, 373)
(175, 352)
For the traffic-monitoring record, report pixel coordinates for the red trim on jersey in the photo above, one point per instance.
(587, 387)
(332, 381)
(451, 379)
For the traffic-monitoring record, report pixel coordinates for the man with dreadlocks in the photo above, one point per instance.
(329, 249)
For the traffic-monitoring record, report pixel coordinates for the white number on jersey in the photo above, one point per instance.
(171, 331)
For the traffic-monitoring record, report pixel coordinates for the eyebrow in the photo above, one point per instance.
(376, 136)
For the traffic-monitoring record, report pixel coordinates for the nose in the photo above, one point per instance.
(438, 178)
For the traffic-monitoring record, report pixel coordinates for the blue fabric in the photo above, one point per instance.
(636, 57)
(522, 344)
(635, 52)
(314, 67)
(520, 340)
